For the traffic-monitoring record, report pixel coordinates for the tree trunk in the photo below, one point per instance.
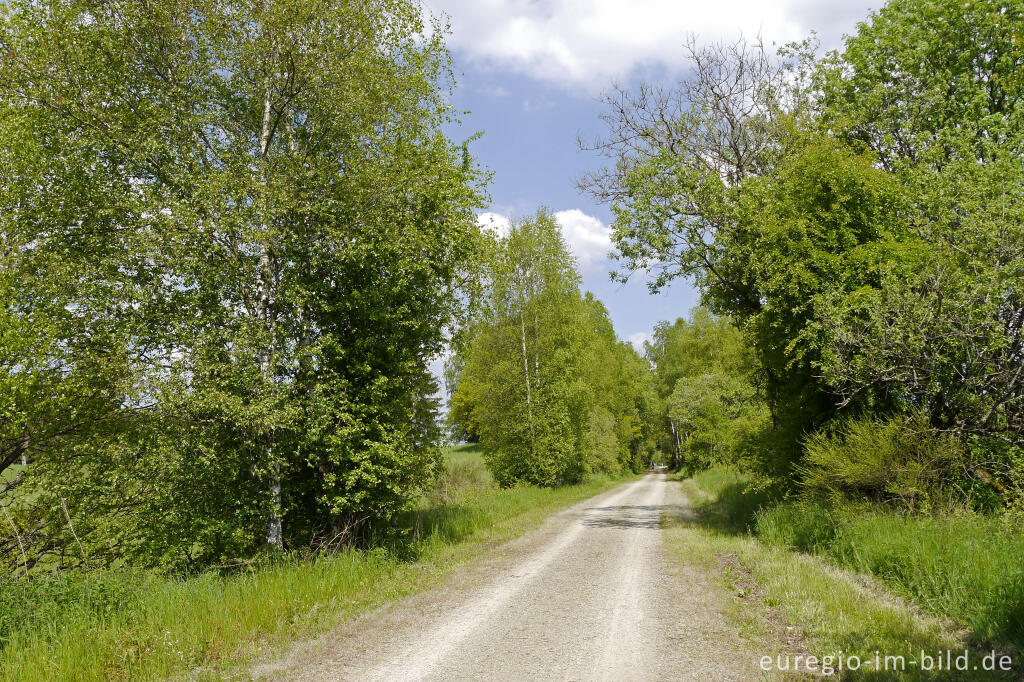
(675, 441)
(526, 372)
(267, 315)
(536, 347)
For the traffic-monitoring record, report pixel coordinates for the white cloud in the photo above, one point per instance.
(532, 105)
(638, 340)
(588, 43)
(495, 222)
(495, 91)
(589, 238)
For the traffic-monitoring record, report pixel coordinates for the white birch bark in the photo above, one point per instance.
(526, 372)
(265, 312)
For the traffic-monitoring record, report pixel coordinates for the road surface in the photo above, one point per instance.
(589, 596)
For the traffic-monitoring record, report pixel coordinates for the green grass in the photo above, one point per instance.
(10, 472)
(469, 453)
(969, 568)
(778, 590)
(136, 625)
(464, 473)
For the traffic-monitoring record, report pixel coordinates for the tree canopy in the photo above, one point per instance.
(234, 234)
(552, 393)
(858, 216)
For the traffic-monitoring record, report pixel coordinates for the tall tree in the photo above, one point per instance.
(933, 89)
(525, 364)
(243, 225)
(543, 380)
(682, 161)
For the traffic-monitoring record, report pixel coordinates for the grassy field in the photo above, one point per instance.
(10, 472)
(469, 454)
(135, 625)
(796, 602)
(464, 473)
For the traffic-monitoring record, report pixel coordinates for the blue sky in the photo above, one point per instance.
(529, 74)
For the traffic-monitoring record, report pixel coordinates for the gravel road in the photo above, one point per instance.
(589, 596)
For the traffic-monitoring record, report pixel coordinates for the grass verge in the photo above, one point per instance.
(795, 604)
(966, 568)
(122, 625)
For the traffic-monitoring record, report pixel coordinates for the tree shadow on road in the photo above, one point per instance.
(624, 516)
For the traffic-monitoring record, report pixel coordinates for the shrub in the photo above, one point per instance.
(893, 461)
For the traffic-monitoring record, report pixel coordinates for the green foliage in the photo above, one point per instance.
(819, 228)
(859, 217)
(712, 412)
(702, 343)
(622, 426)
(233, 237)
(892, 461)
(710, 406)
(553, 395)
(962, 567)
(930, 81)
(933, 89)
(524, 370)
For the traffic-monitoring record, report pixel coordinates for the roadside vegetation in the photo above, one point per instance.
(962, 567)
(135, 624)
(855, 224)
(937, 593)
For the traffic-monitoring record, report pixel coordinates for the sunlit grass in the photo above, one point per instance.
(469, 453)
(136, 625)
(10, 472)
(937, 588)
(967, 568)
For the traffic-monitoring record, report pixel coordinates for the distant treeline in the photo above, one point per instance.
(540, 378)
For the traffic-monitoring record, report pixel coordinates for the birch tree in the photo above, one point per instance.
(255, 204)
(525, 361)
(552, 393)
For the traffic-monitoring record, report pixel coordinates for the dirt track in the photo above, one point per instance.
(589, 596)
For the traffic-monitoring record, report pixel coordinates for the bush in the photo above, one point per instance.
(894, 461)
